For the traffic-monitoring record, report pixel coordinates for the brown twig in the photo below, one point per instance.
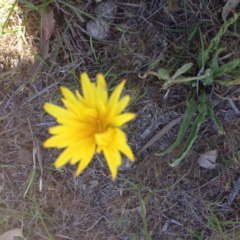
(160, 134)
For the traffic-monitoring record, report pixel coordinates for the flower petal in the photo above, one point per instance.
(80, 97)
(114, 160)
(63, 158)
(60, 141)
(102, 91)
(87, 156)
(88, 89)
(71, 129)
(122, 119)
(122, 104)
(113, 100)
(123, 146)
(68, 121)
(74, 108)
(57, 111)
(68, 95)
(80, 149)
(126, 150)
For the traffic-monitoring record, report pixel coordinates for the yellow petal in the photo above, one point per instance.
(123, 146)
(114, 160)
(68, 95)
(102, 91)
(57, 111)
(122, 104)
(68, 121)
(60, 141)
(104, 138)
(80, 98)
(74, 108)
(126, 150)
(63, 158)
(113, 100)
(83, 112)
(88, 89)
(87, 156)
(71, 129)
(122, 119)
(80, 150)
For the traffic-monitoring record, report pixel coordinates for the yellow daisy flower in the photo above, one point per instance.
(90, 123)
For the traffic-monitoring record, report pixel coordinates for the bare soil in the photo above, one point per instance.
(185, 202)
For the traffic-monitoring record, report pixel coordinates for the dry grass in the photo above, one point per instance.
(180, 203)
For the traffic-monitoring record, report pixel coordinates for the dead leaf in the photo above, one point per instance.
(165, 226)
(47, 29)
(37, 153)
(208, 159)
(47, 22)
(12, 234)
(229, 7)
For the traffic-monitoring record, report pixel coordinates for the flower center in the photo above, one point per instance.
(104, 139)
(100, 126)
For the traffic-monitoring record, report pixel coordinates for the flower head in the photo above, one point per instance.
(88, 123)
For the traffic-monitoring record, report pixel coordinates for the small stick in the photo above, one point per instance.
(160, 134)
(234, 107)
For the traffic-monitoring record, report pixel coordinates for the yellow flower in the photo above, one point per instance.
(90, 123)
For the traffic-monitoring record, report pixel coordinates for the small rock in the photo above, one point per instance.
(229, 115)
(98, 29)
(106, 10)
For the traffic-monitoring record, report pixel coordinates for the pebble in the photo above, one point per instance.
(98, 30)
(105, 12)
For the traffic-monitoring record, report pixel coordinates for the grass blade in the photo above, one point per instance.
(214, 42)
(211, 114)
(8, 17)
(185, 47)
(185, 124)
(195, 128)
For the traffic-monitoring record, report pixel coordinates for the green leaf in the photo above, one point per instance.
(235, 82)
(182, 70)
(163, 74)
(211, 114)
(214, 42)
(185, 124)
(166, 85)
(214, 66)
(226, 68)
(235, 73)
(195, 128)
(208, 80)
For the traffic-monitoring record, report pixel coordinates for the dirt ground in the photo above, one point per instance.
(149, 196)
